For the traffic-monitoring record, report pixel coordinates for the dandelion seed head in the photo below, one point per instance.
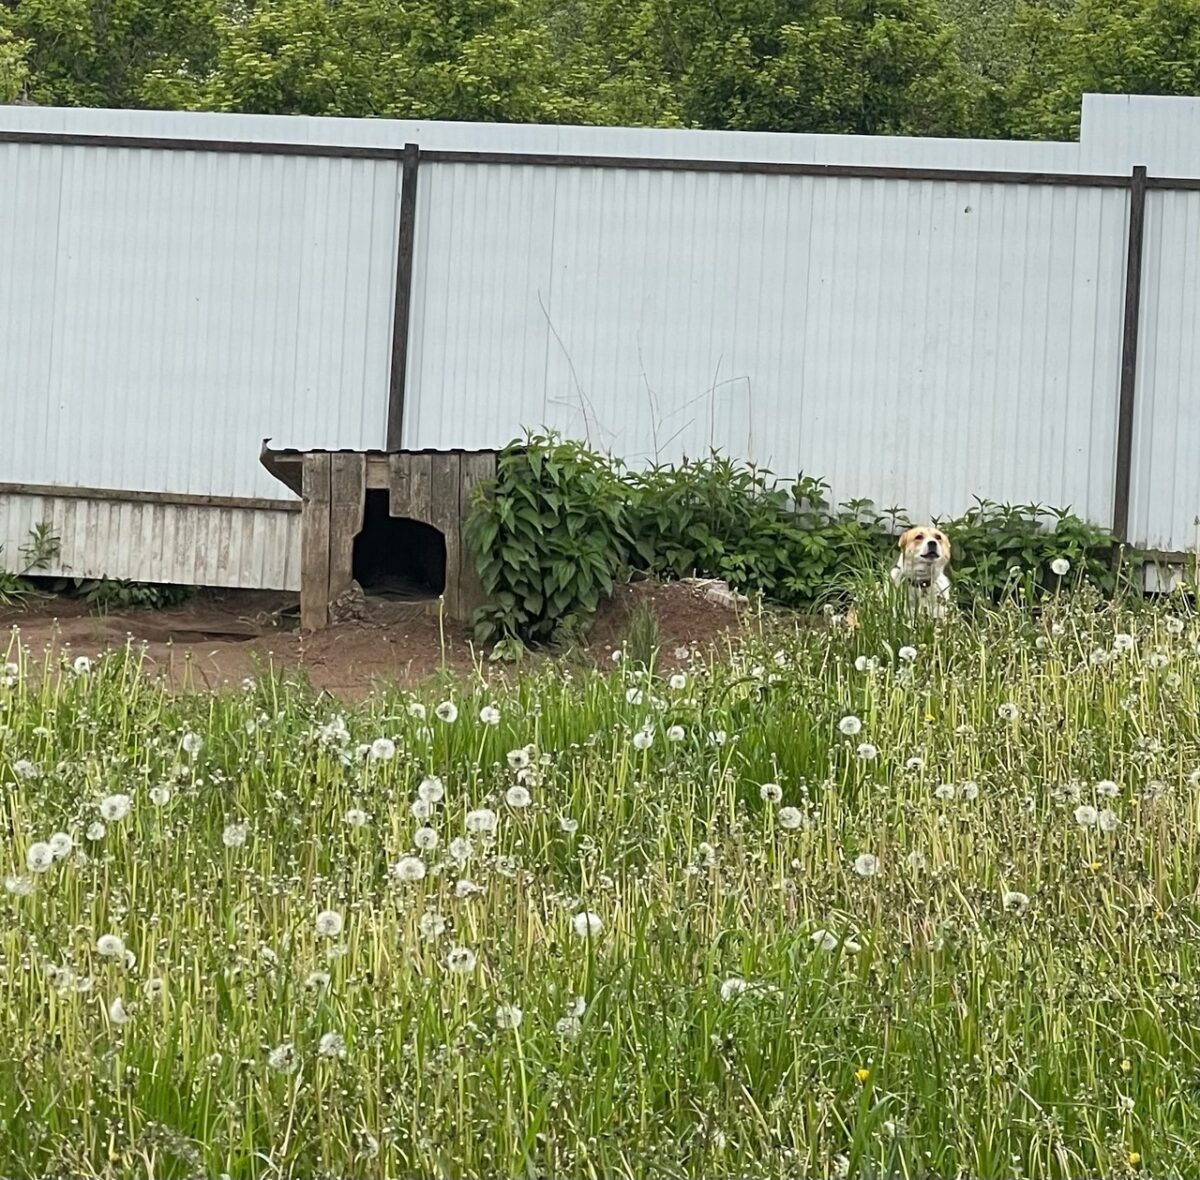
(329, 924)
(331, 1045)
(587, 924)
(518, 797)
(39, 856)
(790, 818)
(234, 835)
(1086, 815)
(489, 715)
(508, 1016)
(481, 821)
(447, 712)
(850, 725)
(866, 864)
(461, 960)
(770, 792)
(1060, 567)
(114, 808)
(431, 790)
(409, 868)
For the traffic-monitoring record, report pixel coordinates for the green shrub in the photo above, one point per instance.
(561, 523)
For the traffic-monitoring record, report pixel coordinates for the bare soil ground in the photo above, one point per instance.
(218, 638)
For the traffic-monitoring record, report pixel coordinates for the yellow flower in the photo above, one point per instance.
(1094, 866)
(928, 716)
(1135, 1158)
(1126, 1065)
(863, 1075)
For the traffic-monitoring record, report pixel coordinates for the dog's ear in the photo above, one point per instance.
(905, 537)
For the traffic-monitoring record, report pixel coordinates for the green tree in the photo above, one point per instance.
(1098, 46)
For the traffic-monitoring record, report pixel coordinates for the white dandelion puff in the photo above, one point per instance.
(675, 733)
(283, 1059)
(1122, 641)
(61, 845)
(481, 821)
(850, 725)
(1086, 815)
(1108, 820)
(1014, 901)
(568, 1027)
(907, 654)
(39, 856)
(95, 831)
(356, 817)
(431, 789)
(970, 791)
(733, 987)
(945, 792)
(1060, 567)
(234, 835)
(114, 808)
(678, 682)
(1173, 626)
(160, 796)
(82, 665)
(425, 839)
(790, 818)
(1008, 711)
(18, 885)
(431, 925)
(421, 809)
(24, 769)
(770, 792)
(587, 924)
(1107, 789)
(508, 1016)
(460, 849)
(867, 752)
(447, 711)
(489, 715)
(331, 1045)
(110, 946)
(643, 739)
(383, 749)
(634, 696)
(409, 868)
(329, 924)
(461, 960)
(518, 797)
(416, 710)
(116, 1011)
(866, 865)
(568, 824)
(192, 744)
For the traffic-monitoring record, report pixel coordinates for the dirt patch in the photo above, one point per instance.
(217, 639)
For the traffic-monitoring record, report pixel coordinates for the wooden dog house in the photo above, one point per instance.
(389, 523)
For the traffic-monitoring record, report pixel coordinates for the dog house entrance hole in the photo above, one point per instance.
(395, 557)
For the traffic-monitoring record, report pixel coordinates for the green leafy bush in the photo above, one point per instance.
(549, 538)
(561, 523)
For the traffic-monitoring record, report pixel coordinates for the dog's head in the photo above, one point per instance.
(924, 549)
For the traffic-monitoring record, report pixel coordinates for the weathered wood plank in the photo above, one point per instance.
(347, 496)
(399, 484)
(476, 469)
(443, 515)
(314, 543)
(419, 488)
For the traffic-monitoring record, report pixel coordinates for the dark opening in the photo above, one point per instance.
(395, 557)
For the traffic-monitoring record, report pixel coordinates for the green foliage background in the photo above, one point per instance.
(1014, 68)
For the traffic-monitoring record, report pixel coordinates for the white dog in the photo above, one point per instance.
(921, 567)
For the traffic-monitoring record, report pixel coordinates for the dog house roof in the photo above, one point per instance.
(286, 464)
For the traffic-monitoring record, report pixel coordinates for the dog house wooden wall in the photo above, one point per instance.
(430, 487)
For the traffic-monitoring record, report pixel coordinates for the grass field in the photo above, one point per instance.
(889, 903)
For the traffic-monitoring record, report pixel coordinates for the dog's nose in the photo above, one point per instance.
(931, 550)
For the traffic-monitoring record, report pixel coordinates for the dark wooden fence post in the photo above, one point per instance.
(403, 304)
(1129, 352)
